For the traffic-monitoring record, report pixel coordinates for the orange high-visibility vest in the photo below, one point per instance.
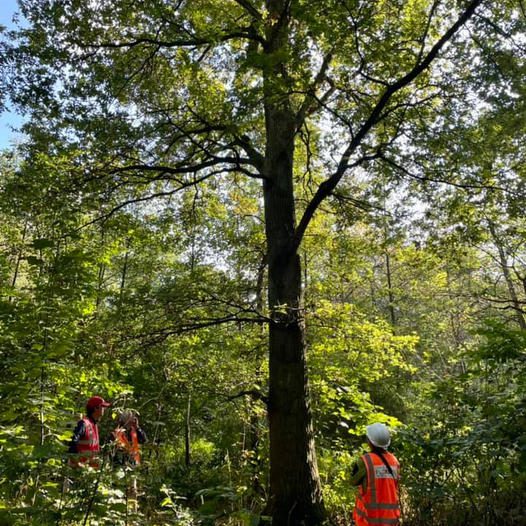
(131, 447)
(378, 504)
(88, 446)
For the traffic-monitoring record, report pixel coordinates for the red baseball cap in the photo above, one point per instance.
(96, 401)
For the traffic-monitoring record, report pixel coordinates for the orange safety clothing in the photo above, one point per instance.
(88, 446)
(130, 446)
(378, 504)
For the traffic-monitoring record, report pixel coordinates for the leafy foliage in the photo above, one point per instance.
(134, 251)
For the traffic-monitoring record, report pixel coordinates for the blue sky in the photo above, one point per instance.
(8, 118)
(7, 9)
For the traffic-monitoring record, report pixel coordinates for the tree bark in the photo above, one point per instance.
(295, 490)
(187, 430)
(294, 480)
(390, 288)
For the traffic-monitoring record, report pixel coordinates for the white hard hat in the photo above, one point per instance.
(378, 434)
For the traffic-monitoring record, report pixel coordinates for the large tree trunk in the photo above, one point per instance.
(294, 480)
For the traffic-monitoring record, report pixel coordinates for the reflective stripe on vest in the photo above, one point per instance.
(378, 504)
(375, 520)
(88, 446)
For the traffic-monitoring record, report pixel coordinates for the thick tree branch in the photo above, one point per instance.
(192, 41)
(426, 30)
(326, 188)
(249, 8)
(163, 334)
(255, 395)
(184, 168)
(256, 158)
(310, 97)
(508, 303)
(423, 178)
(150, 197)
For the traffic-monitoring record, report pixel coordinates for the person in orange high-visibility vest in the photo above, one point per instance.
(84, 447)
(127, 438)
(377, 474)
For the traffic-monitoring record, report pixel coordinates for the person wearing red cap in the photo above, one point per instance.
(85, 446)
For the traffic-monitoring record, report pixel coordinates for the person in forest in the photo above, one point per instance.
(126, 440)
(84, 447)
(377, 474)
